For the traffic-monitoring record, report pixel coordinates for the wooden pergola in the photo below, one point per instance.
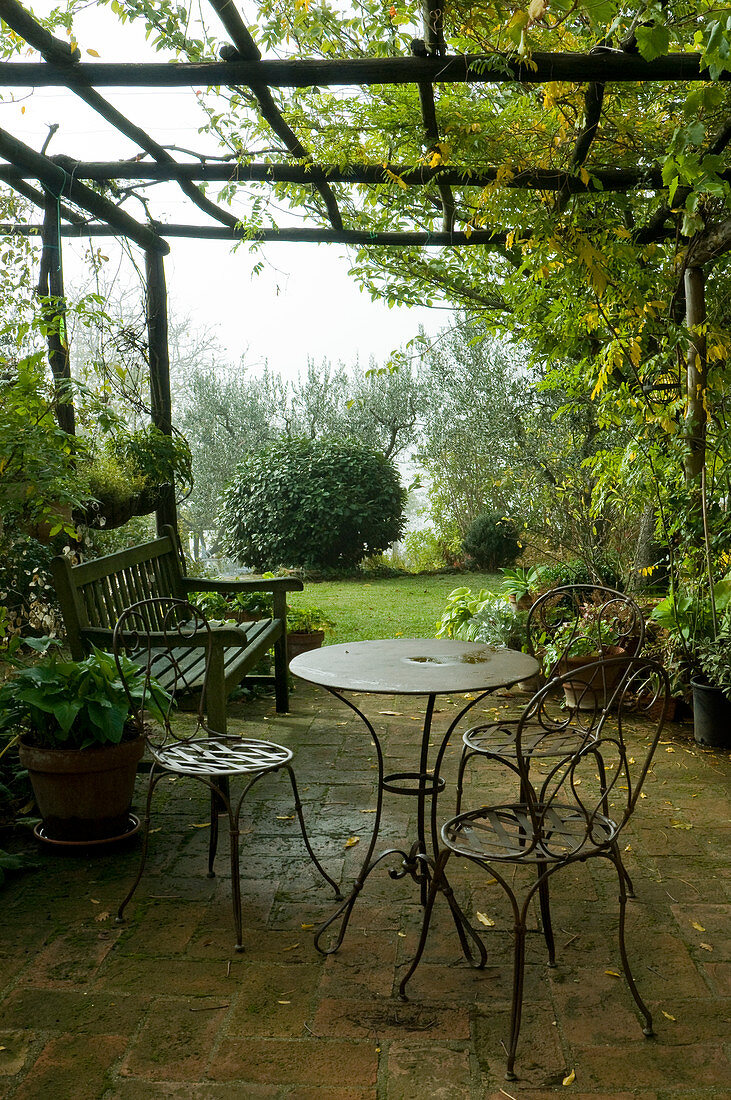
(60, 186)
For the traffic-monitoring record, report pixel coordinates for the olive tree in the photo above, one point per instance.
(312, 503)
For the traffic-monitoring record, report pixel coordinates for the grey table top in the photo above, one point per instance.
(413, 666)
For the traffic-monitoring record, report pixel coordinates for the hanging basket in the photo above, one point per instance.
(106, 513)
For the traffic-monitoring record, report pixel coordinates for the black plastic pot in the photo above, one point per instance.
(711, 716)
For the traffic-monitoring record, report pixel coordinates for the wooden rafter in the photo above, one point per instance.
(603, 65)
(61, 183)
(54, 50)
(245, 47)
(413, 175)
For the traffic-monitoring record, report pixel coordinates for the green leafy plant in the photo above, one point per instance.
(492, 541)
(699, 633)
(519, 582)
(462, 605)
(307, 620)
(54, 703)
(219, 605)
(591, 634)
(312, 504)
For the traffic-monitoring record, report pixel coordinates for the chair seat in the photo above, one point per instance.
(536, 741)
(495, 833)
(219, 755)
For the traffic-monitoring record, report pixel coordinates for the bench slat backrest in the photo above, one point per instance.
(95, 593)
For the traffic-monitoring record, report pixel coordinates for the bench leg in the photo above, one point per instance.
(281, 676)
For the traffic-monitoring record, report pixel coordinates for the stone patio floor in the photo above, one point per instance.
(162, 1006)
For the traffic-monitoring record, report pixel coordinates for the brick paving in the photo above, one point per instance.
(162, 1007)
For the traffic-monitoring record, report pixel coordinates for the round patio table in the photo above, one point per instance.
(418, 667)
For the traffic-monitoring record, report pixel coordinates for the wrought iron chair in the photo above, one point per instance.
(555, 621)
(563, 817)
(163, 635)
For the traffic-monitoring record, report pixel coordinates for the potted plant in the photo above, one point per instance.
(77, 735)
(129, 473)
(521, 586)
(699, 629)
(582, 640)
(306, 628)
(241, 607)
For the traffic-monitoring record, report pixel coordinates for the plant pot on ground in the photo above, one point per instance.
(306, 628)
(699, 647)
(73, 723)
(711, 716)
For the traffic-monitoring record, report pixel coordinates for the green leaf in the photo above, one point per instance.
(653, 41)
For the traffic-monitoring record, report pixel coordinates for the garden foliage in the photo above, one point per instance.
(312, 504)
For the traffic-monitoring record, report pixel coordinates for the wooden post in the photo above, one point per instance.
(50, 290)
(157, 341)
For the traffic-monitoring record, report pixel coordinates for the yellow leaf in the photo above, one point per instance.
(351, 841)
(484, 919)
(285, 817)
(307, 927)
(537, 8)
(584, 176)
(102, 916)
(569, 1080)
(706, 946)
(92, 53)
(284, 1002)
(201, 825)
(668, 1016)
(402, 935)
(698, 927)
(613, 973)
(291, 947)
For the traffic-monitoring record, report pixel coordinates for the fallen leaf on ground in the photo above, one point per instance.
(102, 916)
(307, 927)
(668, 1016)
(698, 927)
(291, 947)
(613, 973)
(284, 1002)
(394, 713)
(570, 1078)
(285, 817)
(351, 841)
(706, 946)
(484, 919)
(202, 825)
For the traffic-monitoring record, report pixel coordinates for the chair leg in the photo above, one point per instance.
(216, 807)
(605, 807)
(621, 875)
(233, 819)
(517, 1003)
(145, 843)
(545, 908)
(305, 837)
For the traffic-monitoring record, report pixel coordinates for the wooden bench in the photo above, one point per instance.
(93, 595)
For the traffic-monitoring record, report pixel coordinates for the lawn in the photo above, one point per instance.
(387, 608)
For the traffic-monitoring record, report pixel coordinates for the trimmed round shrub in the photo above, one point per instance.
(312, 504)
(492, 542)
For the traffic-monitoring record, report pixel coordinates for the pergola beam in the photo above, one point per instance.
(60, 183)
(355, 237)
(414, 175)
(602, 65)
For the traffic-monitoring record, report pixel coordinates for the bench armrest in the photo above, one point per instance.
(221, 635)
(274, 584)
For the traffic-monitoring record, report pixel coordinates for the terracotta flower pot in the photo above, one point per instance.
(585, 693)
(83, 794)
(300, 642)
